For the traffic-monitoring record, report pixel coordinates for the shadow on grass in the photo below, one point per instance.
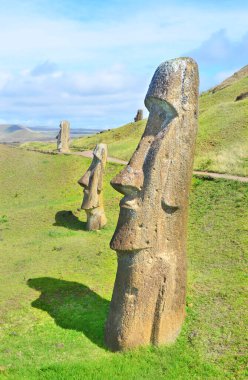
(73, 306)
(67, 219)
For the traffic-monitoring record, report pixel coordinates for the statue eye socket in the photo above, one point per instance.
(163, 109)
(169, 209)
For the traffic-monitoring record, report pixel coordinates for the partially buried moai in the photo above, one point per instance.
(92, 182)
(139, 115)
(148, 301)
(63, 137)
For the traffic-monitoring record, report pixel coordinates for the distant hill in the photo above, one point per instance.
(15, 133)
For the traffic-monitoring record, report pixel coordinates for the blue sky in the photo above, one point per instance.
(91, 61)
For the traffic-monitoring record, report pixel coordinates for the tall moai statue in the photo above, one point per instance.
(92, 182)
(139, 115)
(148, 301)
(63, 137)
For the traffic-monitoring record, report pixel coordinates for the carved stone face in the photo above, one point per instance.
(153, 195)
(92, 180)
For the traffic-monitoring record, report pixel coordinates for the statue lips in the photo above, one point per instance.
(84, 182)
(86, 198)
(128, 209)
(129, 203)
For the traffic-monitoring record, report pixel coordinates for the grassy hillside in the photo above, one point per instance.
(222, 141)
(240, 74)
(57, 279)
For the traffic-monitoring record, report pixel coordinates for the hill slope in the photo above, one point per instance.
(222, 141)
(242, 73)
(57, 279)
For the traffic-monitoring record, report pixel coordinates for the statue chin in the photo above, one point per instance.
(129, 238)
(89, 204)
(96, 218)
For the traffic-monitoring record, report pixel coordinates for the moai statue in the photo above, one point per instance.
(148, 301)
(139, 115)
(92, 182)
(63, 137)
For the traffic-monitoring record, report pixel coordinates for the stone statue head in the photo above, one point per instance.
(92, 182)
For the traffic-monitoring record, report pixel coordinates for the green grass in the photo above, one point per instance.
(222, 141)
(39, 145)
(57, 279)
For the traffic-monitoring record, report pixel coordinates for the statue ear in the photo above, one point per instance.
(100, 178)
(168, 207)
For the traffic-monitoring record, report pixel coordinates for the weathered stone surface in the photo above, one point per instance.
(139, 115)
(63, 137)
(148, 301)
(92, 182)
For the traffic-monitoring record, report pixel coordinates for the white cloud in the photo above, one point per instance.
(81, 98)
(5, 77)
(219, 57)
(155, 34)
(45, 68)
(220, 49)
(98, 70)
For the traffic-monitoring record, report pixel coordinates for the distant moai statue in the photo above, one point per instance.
(63, 137)
(92, 182)
(148, 301)
(242, 96)
(139, 115)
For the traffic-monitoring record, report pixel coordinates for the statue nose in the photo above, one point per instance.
(129, 181)
(84, 180)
